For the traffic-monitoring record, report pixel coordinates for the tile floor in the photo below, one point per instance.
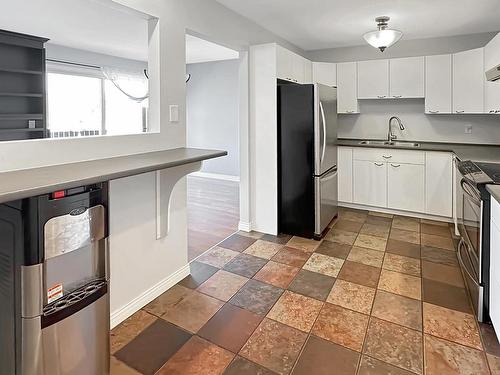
(379, 295)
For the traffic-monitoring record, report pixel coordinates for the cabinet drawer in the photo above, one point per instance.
(389, 155)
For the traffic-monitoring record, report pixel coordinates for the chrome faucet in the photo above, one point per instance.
(390, 135)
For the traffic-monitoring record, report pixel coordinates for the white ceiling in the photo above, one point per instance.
(319, 24)
(84, 24)
(199, 50)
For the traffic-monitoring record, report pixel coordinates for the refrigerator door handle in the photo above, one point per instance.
(323, 119)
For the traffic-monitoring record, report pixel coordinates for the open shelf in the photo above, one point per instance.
(21, 71)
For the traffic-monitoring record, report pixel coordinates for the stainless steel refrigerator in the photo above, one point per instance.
(307, 158)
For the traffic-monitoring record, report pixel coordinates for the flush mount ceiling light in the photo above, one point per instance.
(383, 37)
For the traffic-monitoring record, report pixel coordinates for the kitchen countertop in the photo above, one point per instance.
(481, 153)
(31, 182)
(494, 191)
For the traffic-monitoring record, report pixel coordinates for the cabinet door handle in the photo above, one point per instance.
(379, 164)
(433, 111)
(397, 96)
(395, 165)
(497, 111)
(350, 111)
(492, 111)
(380, 96)
(459, 111)
(387, 156)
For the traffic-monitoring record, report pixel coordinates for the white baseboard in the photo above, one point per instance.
(396, 212)
(216, 176)
(149, 295)
(245, 226)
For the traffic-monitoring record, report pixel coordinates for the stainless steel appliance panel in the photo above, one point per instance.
(326, 199)
(476, 291)
(325, 128)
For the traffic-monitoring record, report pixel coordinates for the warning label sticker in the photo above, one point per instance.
(54, 293)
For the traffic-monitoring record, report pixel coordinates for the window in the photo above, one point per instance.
(83, 103)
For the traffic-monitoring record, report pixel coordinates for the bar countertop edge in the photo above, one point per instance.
(25, 183)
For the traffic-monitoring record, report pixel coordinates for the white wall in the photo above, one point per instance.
(212, 113)
(138, 261)
(372, 123)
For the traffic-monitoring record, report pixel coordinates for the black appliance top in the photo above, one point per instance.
(480, 173)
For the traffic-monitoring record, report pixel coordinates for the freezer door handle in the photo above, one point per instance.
(323, 120)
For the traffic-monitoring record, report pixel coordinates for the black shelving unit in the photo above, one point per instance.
(22, 87)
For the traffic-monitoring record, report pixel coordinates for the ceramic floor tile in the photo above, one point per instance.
(445, 257)
(403, 248)
(369, 257)
(217, 256)
(304, 244)
(371, 242)
(435, 222)
(445, 295)
(312, 284)
(263, 249)
(379, 220)
(451, 325)
(292, 257)
(277, 274)
(296, 310)
(324, 264)
(241, 366)
(353, 215)
(237, 242)
(372, 366)
(119, 368)
(446, 358)
(231, 327)
(129, 329)
(442, 273)
(168, 300)
(275, 346)
(200, 272)
(341, 236)
(341, 326)
(192, 312)
(398, 263)
(281, 239)
(405, 235)
(349, 226)
(223, 285)
(394, 344)
(375, 230)
(406, 223)
(153, 347)
(489, 339)
(360, 274)
(245, 265)
(257, 297)
(400, 283)
(252, 234)
(437, 230)
(352, 296)
(398, 309)
(334, 249)
(494, 363)
(197, 357)
(381, 214)
(437, 241)
(320, 357)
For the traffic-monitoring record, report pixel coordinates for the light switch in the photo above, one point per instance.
(468, 129)
(174, 113)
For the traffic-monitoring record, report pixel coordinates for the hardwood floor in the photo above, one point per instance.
(213, 212)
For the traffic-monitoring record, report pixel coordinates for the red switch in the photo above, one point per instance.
(58, 194)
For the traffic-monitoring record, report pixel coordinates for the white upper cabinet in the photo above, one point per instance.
(347, 90)
(492, 89)
(298, 68)
(438, 84)
(373, 79)
(324, 73)
(492, 53)
(407, 77)
(468, 81)
(308, 71)
(284, 63)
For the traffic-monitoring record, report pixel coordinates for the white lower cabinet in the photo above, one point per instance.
(405, 187)
(439, 183)
(345, 174)
(495, 265)
(370, 183)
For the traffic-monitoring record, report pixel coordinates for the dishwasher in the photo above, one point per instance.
(54, 279)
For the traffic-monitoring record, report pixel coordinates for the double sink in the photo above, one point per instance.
(390, 143)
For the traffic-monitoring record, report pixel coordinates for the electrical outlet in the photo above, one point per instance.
(468, 129)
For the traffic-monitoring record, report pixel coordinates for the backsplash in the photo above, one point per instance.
(372, 123)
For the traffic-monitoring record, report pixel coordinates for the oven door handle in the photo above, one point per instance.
(461, 245)
(470, 190)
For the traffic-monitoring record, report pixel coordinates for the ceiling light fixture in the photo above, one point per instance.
(383, 37)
